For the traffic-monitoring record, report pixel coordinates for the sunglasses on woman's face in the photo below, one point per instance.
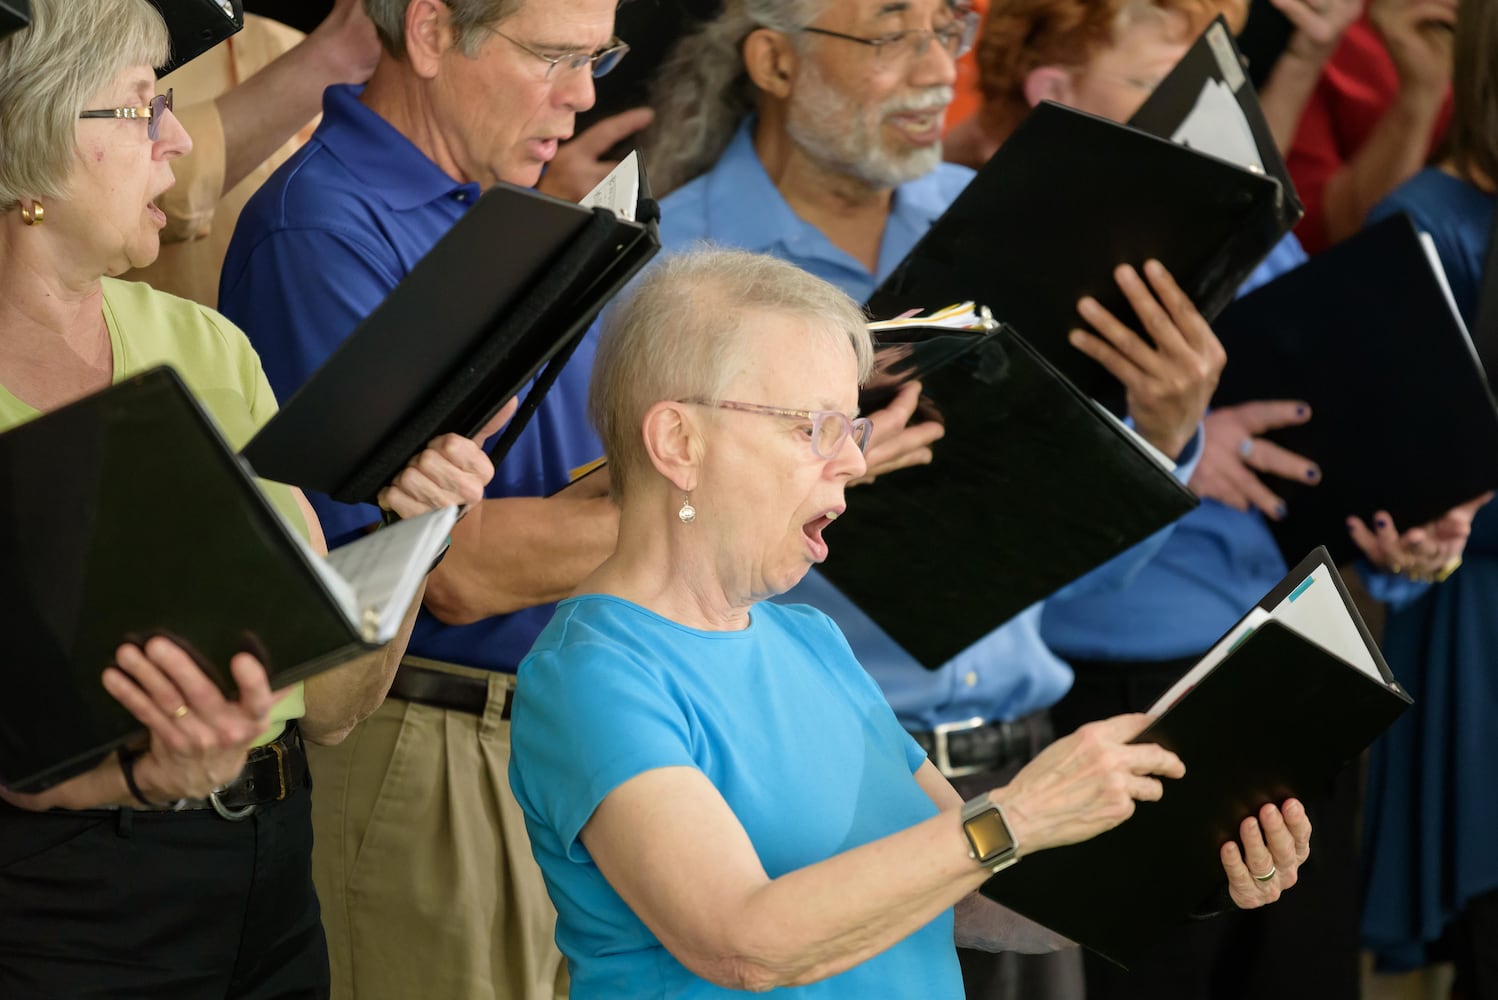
(152, 112)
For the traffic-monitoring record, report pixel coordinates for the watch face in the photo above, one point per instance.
(988, 836)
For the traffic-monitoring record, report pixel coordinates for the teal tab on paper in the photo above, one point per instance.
(1302, 588)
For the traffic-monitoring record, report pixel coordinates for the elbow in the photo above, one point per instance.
(450, 601)
(325, 734)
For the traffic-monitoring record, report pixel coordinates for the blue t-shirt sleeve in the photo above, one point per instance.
(587, 718)
(297, 294)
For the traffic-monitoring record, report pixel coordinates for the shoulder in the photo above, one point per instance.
(684, 214)
(159, 321)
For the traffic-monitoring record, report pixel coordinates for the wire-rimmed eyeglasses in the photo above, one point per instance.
(602, 61)
(828, 430)
(152, 112)
(956, 37)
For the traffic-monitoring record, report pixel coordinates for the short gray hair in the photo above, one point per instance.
(679, 333)
(703, 91)
(72, 50)
(469, 18)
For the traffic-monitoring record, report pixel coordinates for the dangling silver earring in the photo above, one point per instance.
(687, 513)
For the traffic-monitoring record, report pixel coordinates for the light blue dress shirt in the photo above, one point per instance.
(1010, 672)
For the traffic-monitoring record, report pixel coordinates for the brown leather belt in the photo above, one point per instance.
(440, 689)
(270, 774)
(975, 746)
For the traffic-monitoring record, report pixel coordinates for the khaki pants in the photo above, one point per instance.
(422, 862)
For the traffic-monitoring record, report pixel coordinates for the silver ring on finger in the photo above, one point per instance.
(1245, 448)
(1273, 870)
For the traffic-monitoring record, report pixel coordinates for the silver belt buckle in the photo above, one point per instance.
(940, 749)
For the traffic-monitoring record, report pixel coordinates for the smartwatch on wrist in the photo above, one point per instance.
(990, 843)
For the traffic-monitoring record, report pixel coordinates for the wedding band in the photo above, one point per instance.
(1246, 448)
(180, 712)
(1267, 875)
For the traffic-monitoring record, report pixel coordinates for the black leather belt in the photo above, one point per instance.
(974, 746)
(440, 689)
(270, 774)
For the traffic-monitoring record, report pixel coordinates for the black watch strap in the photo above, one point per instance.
(127, 768)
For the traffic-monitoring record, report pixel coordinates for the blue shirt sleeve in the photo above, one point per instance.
(297, 294)
(587, 719)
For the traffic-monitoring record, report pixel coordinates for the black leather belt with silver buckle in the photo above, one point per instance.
(974, 746)
(440, 689)
(270, 774)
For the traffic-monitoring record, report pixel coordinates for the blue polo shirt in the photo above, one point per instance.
(1217, 563)
(1010, 672)
(317, 248)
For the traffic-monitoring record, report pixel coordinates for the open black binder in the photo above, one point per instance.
(511, 288)
(1066, 199)
(1402, 417)
(1035, 485)
(1208, 102)
(126, 515)
(14, 15)
(197, 26)
(1278, 716)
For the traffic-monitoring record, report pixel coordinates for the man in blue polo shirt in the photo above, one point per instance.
(422, 862)
(826, 151)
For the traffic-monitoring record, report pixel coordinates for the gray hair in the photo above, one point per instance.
(703, 91)
(680, 331)
(469, 19)
(49, 71)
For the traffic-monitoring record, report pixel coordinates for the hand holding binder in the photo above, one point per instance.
(1236, 453)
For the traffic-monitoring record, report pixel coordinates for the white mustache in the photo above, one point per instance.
(930, 99)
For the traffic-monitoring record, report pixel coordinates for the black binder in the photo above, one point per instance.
(1402, 417)
(1214, 63)
(1279, 716)
(1066, 199)
(511, 288)
(14, 15)
(1034, 485)
(126, 515)
(197, 26)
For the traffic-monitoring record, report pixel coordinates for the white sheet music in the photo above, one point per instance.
(1217, 125)
(619, 191)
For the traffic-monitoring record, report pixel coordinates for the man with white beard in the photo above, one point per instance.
(811, 130)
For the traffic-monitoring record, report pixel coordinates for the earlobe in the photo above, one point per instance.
(771, 62)
(1048, 83)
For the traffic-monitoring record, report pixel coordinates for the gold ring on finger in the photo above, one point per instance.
(1273, 870)
(180, 712)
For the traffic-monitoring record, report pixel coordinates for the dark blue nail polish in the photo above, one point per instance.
(1300, 411)
(1280, 510)
(1313, 474)
(1382, 522)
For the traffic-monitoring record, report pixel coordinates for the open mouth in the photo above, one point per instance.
(812, 531)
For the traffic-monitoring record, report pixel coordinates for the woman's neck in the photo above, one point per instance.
(54, 344)
(666, 569)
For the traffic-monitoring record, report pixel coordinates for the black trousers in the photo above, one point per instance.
(1304, 946)
(1474, 941)
(125, 904)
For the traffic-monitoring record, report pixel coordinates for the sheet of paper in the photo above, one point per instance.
(962, 316)
(619, 192)
(1316, 611)
(1216, 125)
(1436, 266)
(385, 567)
(1165, 461)
(1215, 655)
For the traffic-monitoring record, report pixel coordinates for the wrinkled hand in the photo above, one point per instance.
(1426, 553)
(348, 42)
(453, 470)
(1086, 783)
(1170, 384)
(1319, 25)
(1277, 841)
(1418, 35)
(579, 165)
(1234, 452)
(896, 442)
(199, 738)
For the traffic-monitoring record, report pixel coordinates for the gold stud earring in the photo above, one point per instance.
(33, 214)
(687, 513)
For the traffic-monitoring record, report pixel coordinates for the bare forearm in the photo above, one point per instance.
(984, 925)
(517, 552)
(341, 698)
(1394, 152)
(1287, 92)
